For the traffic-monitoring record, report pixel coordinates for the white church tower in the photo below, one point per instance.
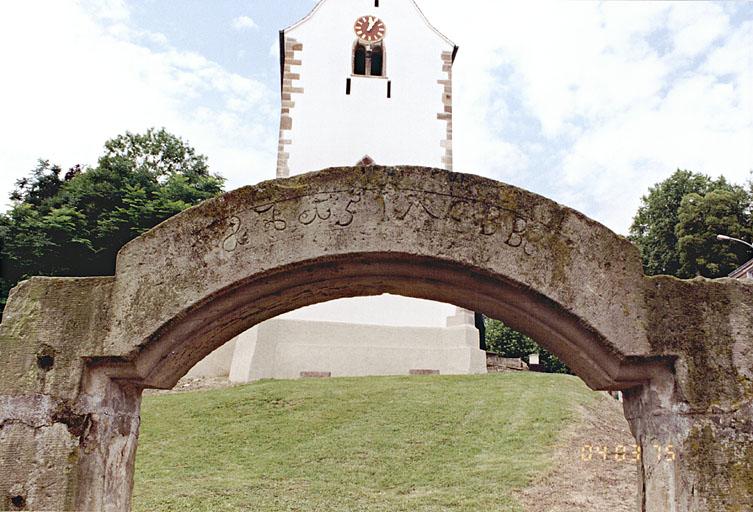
(363, 82)
(365, 79)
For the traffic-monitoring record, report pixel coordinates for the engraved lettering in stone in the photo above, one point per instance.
(485, 218)
(414, 200)
(489, 220)
(274, 221)
(533, 238)
(458, 212)
(318, 211)
(235, 236)
(516, 238)
(382, 204)
(347, 218)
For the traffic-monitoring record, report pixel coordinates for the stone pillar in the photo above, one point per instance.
(107, 452)
(62, 455)
(691, 461)
(68, 431)
(38, 453)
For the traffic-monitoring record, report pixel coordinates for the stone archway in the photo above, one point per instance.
(76, 353)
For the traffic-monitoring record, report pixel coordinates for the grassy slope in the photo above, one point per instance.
(376, 444)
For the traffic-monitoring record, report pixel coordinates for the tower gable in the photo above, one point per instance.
(375, 6)
(365, 77)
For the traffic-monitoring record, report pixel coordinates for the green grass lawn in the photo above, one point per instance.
(358, 444)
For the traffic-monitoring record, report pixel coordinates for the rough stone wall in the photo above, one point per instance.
(496, 363)
(704, 407)
(50, 422)
(76, 353)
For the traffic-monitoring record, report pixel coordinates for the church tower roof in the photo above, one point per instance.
(321, 3)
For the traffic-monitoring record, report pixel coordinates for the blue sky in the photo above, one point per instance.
(588, 103)
(206, 27)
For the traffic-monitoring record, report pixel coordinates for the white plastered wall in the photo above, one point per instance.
(331, 128)
(283, 349)
(216, 364)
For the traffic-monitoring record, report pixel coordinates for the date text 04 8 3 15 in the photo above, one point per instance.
(626, 453)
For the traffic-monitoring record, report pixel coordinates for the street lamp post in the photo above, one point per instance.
(725, 238)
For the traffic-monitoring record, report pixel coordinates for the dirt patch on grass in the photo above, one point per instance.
(586, 476)
(193, 384)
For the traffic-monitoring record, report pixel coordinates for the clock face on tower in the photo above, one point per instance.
(369, 29)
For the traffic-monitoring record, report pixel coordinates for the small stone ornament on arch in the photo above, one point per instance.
(366, 161)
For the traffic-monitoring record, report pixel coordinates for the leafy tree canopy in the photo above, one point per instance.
(676, 225)
(507, 342)
(700, 219)
(74, 223)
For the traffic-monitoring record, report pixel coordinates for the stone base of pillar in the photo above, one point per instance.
(691, 461)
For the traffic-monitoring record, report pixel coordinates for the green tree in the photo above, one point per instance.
(507, 342)
(700, 219)
(657, 226)
(74, 224)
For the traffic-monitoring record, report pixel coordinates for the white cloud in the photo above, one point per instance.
(696, 26)
(618, 94)
(77, 82)
(244, 23)
(589, 103)
(110, 10)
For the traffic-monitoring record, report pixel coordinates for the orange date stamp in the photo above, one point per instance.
(627, 453)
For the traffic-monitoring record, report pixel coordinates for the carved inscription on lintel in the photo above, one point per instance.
(339, 210)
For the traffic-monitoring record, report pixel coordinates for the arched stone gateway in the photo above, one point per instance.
(76, 353)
